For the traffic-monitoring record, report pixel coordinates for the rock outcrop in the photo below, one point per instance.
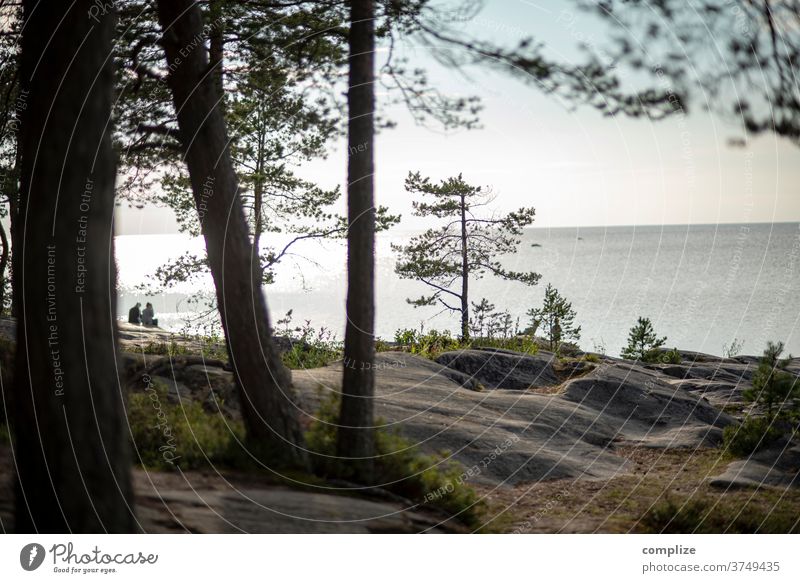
(503, 369)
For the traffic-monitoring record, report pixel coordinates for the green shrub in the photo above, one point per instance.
(183, 434)
(753, 434)
(431, 344)
(405, 336)
(382, 346)
(434, 343)
(670, 357)
(400, 466)
(213, 347)
(311, 348)
(311, 355)
(524, 344)
(591, 357)
(775, 389)
(165, 349)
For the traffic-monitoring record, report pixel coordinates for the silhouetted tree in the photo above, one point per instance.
(740, 55)
(71, 442)
(466, 246)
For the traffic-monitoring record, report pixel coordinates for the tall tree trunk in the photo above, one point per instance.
(355, 440)
(13, 227)
(216, 47)
(3, 266)
(464, 273)
(258, 191)
(71, 437)
(268, 403)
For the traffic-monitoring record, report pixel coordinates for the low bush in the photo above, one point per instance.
(311, 348)
(170, 348)
(524, 344)
(753, 434)
(670, 356)
(313, 354)
(166, 434)
(431, 344)
(428, 344)
(400, 466)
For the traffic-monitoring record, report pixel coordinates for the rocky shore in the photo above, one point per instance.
(511, 420)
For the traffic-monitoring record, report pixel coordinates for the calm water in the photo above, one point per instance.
(702, 285)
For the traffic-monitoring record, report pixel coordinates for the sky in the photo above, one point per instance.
(576, 167)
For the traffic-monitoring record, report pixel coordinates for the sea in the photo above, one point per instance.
(704, 287)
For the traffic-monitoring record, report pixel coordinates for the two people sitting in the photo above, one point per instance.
(146, 316)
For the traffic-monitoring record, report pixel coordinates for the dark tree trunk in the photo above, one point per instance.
(268, 403)
(464, 273)
(71, 437)
(13, 215)
(3, 265)
(216, 47)
(356, 434)
(258, 191)
(13, 223)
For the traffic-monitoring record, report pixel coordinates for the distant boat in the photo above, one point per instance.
(536, 244)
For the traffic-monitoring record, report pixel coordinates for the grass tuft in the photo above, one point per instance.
(167, 434)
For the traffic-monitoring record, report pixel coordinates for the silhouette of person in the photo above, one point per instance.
(134, 316)
(147, 315)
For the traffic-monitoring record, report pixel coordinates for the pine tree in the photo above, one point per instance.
(268, 402)
(643, 344)
(481, 318)
(70, 433)
(773, 386)
(356, 434)
(556, 317)
(464, 248)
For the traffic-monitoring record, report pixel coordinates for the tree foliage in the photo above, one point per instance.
(774, 388)
(465, 247)
(740, 56)
(556, 318)
(643, 343)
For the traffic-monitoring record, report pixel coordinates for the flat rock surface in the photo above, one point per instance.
(514, 435)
